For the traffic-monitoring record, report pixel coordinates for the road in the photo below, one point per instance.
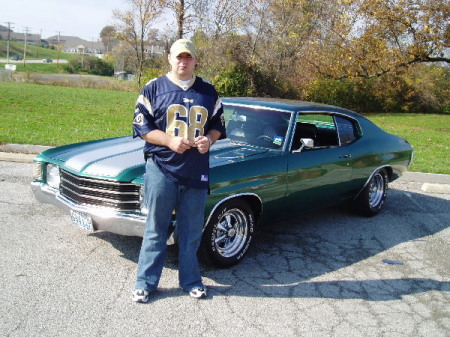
(30, 61)
(329, 273)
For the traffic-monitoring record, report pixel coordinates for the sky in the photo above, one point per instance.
(81, 18)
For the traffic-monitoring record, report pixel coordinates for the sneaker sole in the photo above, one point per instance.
(140, 300)
(198, 297)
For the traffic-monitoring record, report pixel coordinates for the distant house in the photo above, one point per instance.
(73, 44)
(154, 50)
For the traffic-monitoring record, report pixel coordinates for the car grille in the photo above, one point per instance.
(100, 192)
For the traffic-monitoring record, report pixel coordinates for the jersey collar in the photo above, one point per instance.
(182, 84)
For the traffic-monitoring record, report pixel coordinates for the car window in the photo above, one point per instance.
(321, 128)
(324, 129)
(256, 126)
(346, 130)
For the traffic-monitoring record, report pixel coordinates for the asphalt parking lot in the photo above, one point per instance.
(328, 273)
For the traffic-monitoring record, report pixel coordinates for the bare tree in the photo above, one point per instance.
(134, 26)
(221, 17)
(183, 12)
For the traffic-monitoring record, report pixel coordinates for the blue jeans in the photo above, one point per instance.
(162, 196)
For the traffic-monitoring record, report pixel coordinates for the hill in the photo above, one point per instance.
(33, 52)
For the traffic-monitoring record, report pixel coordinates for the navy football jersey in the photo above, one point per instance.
(187, 110)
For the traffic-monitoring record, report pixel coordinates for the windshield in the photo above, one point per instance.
(256, 126)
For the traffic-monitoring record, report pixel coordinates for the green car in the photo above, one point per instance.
(281, 158)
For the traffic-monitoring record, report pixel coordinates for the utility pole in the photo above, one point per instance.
(25, 46)
(38, 44)
(57, 62)
(7, 42)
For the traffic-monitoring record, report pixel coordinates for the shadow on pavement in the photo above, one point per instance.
(286, 257)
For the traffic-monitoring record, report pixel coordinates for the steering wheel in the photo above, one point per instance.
(265, 138)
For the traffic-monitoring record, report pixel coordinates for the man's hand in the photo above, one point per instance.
(202, 143)
(180, 144)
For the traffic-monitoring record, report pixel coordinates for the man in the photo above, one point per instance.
(179, 116)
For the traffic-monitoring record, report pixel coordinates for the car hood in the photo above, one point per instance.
(122, 158)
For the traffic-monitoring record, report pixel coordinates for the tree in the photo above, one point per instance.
(370, 38)
(219, 18)
(108, 35)
(134, 26)
(182, 10)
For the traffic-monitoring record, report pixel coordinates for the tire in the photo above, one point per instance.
(228, 234)
(371, 199)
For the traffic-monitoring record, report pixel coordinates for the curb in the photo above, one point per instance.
(20, 153)
(17, 157)
(431, 182)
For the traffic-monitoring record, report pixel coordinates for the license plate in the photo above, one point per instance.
(82, 220)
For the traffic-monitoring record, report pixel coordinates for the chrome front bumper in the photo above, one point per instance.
(102, 218)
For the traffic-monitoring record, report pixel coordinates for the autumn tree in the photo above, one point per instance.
(133, 27)
(108, 36)
(370, 38)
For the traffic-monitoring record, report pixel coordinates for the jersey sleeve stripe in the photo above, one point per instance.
(146, 103)
(217, 106)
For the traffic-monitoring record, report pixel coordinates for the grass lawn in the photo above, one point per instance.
(41, 68)
(52, 115)
(429, 135)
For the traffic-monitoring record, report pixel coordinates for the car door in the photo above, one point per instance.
(319, 175)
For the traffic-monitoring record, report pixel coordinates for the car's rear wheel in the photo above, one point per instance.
(228, 234)
(371, 199)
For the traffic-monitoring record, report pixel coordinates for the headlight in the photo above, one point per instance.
(37, 171)
(53, 177)
(144, 209)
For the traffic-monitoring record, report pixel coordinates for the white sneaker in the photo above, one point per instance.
(140, 296)
(198, 292)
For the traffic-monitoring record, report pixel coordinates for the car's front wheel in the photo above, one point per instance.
(228, 234)
(371, 199)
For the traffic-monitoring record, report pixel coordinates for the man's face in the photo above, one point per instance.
(183, 65)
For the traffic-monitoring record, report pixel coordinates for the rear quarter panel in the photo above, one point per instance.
(375, 149)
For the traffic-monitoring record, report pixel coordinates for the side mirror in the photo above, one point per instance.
(306, 142)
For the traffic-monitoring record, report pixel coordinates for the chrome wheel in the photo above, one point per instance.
(371, 199)
(376, 190)
(228, 234)
(231, 232)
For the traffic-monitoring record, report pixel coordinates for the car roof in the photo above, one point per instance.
(285, 104)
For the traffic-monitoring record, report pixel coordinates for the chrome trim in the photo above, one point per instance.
(108, 193)
(103, 218)
(251, 106)
(108, 181)
(93, 197)
(85, 188)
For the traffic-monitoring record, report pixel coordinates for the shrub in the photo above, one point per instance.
(352, 94)
(90, 65)
(423, 88)
(232, 82)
